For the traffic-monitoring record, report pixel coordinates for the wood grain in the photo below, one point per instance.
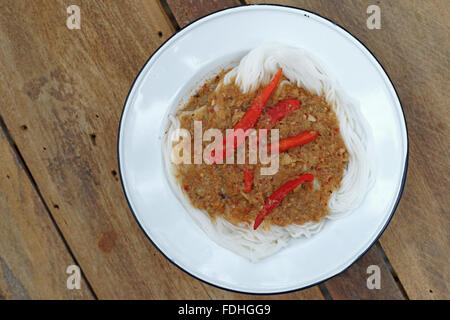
(413, 47)
(352, 284)
(68, 88)
(62, 93)
(186, 11)
(33, 257)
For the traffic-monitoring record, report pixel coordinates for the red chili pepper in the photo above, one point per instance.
(248, 179)
(278, 112)
(281, 110)
(294, 141)
(276, 197)
(252, 115)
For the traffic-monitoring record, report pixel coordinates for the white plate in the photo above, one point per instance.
(191, 55)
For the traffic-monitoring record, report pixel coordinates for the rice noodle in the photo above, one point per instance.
(255, 69)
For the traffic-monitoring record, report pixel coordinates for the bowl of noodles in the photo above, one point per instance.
(263, 157)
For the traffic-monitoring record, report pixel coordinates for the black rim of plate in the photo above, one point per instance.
(402, 186)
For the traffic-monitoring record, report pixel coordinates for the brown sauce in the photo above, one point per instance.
(218, 189)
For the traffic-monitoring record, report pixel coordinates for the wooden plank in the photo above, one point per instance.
(352, 284)
(186, 11)
(62, 95)
(413, 47)
(33, 257)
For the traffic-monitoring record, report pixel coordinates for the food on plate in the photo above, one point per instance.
(280, 100)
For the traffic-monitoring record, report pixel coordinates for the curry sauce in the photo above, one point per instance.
(218, 189)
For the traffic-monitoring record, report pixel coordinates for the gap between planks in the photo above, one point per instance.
(22, 162)
(392, 270)
(170, 15)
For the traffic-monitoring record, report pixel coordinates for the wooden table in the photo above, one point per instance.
(61, 202)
